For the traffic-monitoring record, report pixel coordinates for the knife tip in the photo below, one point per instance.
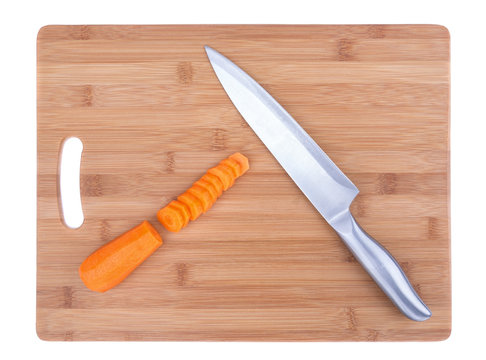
(209, 50)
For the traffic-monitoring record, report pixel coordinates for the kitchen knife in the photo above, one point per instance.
(322, 182)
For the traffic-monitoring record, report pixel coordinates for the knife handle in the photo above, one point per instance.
(381, 266)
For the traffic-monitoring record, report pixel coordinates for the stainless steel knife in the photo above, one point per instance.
(324, 184)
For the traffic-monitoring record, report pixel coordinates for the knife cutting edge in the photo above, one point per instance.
(322, 182)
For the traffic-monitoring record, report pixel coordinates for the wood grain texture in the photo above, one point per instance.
(261, 264)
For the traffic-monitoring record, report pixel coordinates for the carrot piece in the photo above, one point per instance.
(209, 187)
(203, 195)
(222, 176)
(171, 217)
(233, 165)
(242, 160)
(229, 172)
(195, 206)
(186, 213)
(112, 263)
(214, 180)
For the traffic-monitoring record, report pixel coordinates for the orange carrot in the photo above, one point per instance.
(113, 262)
(203, 193)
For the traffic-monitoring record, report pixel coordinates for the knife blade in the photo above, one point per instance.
(316, 175)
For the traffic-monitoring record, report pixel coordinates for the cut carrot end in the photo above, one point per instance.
(171, 217)
(112, 263)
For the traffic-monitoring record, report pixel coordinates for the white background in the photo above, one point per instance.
(20, 21)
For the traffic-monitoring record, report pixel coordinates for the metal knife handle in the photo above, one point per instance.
(381, 266)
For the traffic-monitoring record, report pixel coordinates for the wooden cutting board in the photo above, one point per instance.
(261, 264)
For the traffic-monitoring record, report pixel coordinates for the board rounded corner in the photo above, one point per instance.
(42, 30)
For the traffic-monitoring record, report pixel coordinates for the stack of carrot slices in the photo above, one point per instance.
(203, 193)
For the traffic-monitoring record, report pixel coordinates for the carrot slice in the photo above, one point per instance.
(171, 217)
(233, 165)
(214, 180)
(222, 176)
(195, 206)
(209, 187)
(242, 160)
(203, 195)
(112, 263)
(228, 171)
(184, 210)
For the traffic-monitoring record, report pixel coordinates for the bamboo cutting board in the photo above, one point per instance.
(261, 264)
